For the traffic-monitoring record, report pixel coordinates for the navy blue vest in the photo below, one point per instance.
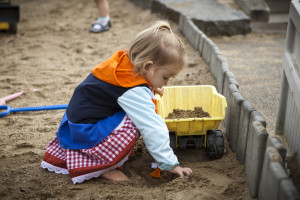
(92, 114)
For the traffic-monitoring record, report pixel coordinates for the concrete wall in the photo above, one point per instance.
(288, 115)
(278, 6)
(257, 10)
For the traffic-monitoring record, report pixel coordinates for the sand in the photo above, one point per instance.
(51, 54)
(197, 112)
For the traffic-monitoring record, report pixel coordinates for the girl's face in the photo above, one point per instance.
(160, 75)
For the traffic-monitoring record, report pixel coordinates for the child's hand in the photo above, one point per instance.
(159, 91)
(181, 171)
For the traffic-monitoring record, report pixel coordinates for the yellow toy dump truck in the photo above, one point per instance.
(197, 132)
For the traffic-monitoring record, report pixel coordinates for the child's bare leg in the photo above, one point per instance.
(115, 175)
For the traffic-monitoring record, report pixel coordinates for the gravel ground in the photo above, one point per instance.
(256, 61)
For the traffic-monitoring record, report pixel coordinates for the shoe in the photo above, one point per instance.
(98, 28)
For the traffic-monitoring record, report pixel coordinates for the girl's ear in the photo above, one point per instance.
(148, 65)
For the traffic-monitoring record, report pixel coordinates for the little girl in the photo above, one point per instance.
(114, 105)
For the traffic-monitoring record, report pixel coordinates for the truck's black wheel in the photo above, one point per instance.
(214, 144)
(172, 140)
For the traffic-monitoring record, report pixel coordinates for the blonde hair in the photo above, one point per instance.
(158, 44)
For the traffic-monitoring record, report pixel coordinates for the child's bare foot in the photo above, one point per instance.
(115, 175)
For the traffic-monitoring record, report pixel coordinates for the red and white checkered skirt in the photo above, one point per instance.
(84, 164)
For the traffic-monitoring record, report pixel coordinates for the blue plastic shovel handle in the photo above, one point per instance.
(8, 109)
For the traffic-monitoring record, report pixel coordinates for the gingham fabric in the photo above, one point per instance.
(54, 149)
(83, 164)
